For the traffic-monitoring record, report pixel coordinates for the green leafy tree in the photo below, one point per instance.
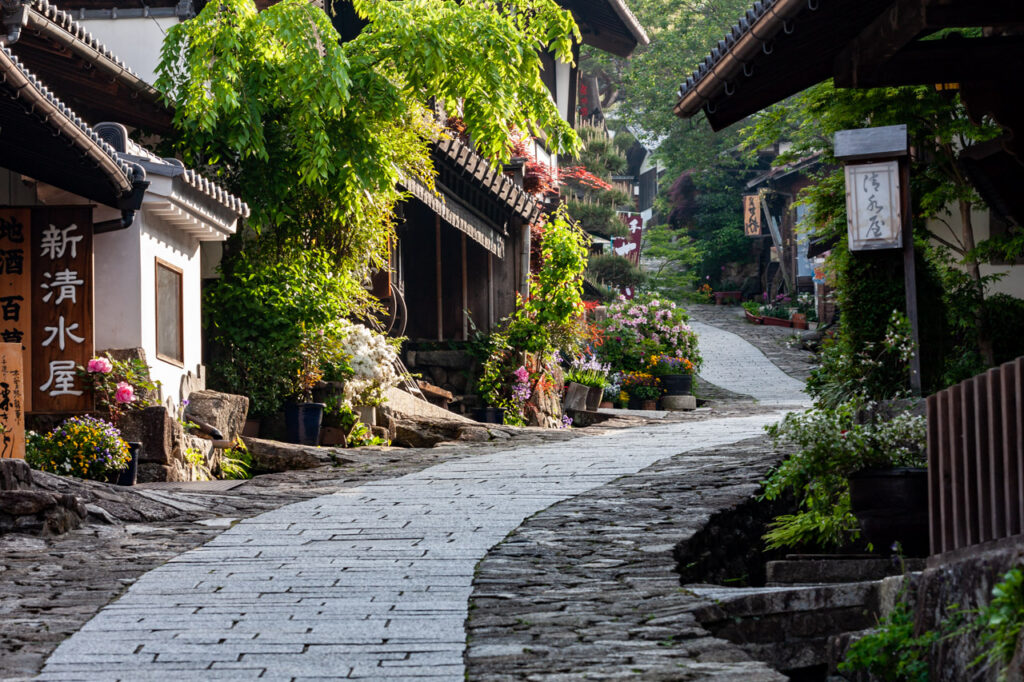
(317, 135)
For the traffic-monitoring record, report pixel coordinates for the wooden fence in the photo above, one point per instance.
(976, 459)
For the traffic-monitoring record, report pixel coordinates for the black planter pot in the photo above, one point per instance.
(489, 415)
(892, 506)
(635, 403)
(677, 384)
(302, 422)
(130, 474)
(594, 396)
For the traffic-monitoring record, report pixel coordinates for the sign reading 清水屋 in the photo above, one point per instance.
(62, 307)
(873, 206)
(12, 402)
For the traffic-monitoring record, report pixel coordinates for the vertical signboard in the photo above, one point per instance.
(873, 206)
(62, 307)
(752, 215)
(12, 402)
(16, 282)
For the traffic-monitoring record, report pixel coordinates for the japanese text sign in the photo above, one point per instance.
(62, 307)
(12, 402)
(16, 283)
(873, 206)
(752, 215)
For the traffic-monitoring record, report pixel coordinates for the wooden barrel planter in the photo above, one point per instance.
(677, 384)
(892, 506)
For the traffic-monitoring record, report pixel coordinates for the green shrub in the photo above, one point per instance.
(892, 653)
(1001, 622)
(616, 271)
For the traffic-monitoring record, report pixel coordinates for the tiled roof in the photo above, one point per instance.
(215, 191)
(494, 181)
(65, 121)
(753, 15)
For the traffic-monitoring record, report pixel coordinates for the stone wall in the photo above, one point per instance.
(452, 370)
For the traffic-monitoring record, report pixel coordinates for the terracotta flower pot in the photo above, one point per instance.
(649, 405)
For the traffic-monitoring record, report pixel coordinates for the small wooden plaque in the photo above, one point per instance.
(12, 401)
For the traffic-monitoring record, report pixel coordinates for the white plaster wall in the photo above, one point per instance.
(951, 227)
(136, 41)
(160, 240)
(563, 73)
(116, 282)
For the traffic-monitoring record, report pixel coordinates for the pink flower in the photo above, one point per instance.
(522, 375)
(125, 393)
(101, 365)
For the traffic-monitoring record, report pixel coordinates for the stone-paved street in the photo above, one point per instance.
(373, 581)
(588, 589)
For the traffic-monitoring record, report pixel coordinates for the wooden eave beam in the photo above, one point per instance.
(950, 61)
(906, 20)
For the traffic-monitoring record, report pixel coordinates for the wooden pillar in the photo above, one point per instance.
(910, 275)
(437, 274)
(490, 292)
(465, 292)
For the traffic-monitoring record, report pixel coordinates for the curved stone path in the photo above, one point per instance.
(371, 582)
(732, 363)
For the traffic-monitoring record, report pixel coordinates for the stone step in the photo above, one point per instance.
(825, 569)
(787, 627)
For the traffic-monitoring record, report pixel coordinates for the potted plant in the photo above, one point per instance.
(589, 372)
(858, 469)
(84, 446)
(643, 388)
(752, 311)
(303, 417)
(120, 386)
(675, 373)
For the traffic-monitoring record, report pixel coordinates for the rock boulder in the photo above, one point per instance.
(223, 411)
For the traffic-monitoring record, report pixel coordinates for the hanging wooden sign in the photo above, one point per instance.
(752, 215)
(873, 206)
(16, 283)
(62, 307)
(12, 402)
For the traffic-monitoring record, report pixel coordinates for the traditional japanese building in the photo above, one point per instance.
(780, 47)
(101, 238)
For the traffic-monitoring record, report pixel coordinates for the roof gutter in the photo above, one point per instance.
(48, 110)
(730, 64)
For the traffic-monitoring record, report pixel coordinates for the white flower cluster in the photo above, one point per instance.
(373, 363)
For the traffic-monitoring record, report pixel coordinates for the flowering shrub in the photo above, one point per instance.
(366, 362)
(635, 330)
(778, 307)
(660, 365)
(641, 385)
(114, 382)
(589, 371)
(85, 447)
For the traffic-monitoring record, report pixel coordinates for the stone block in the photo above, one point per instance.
(679, 403)
(449, 359)
(161, 435)
(269, 456)
(15, 474)
(39, 512)
(223, 411)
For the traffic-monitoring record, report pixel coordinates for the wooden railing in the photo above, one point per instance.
(976, 459)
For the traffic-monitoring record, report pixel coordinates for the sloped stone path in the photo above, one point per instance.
(371, 582)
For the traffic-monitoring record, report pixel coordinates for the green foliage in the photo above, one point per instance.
(258, 316)
(341, 415)
(84, 446)
(892, 652)
(549, 319)
(236, 464)
(875, 369)
(677, 258)
(829, 445)
(597, 217)
(317, 135)
(1001, 622)
(613, 270)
